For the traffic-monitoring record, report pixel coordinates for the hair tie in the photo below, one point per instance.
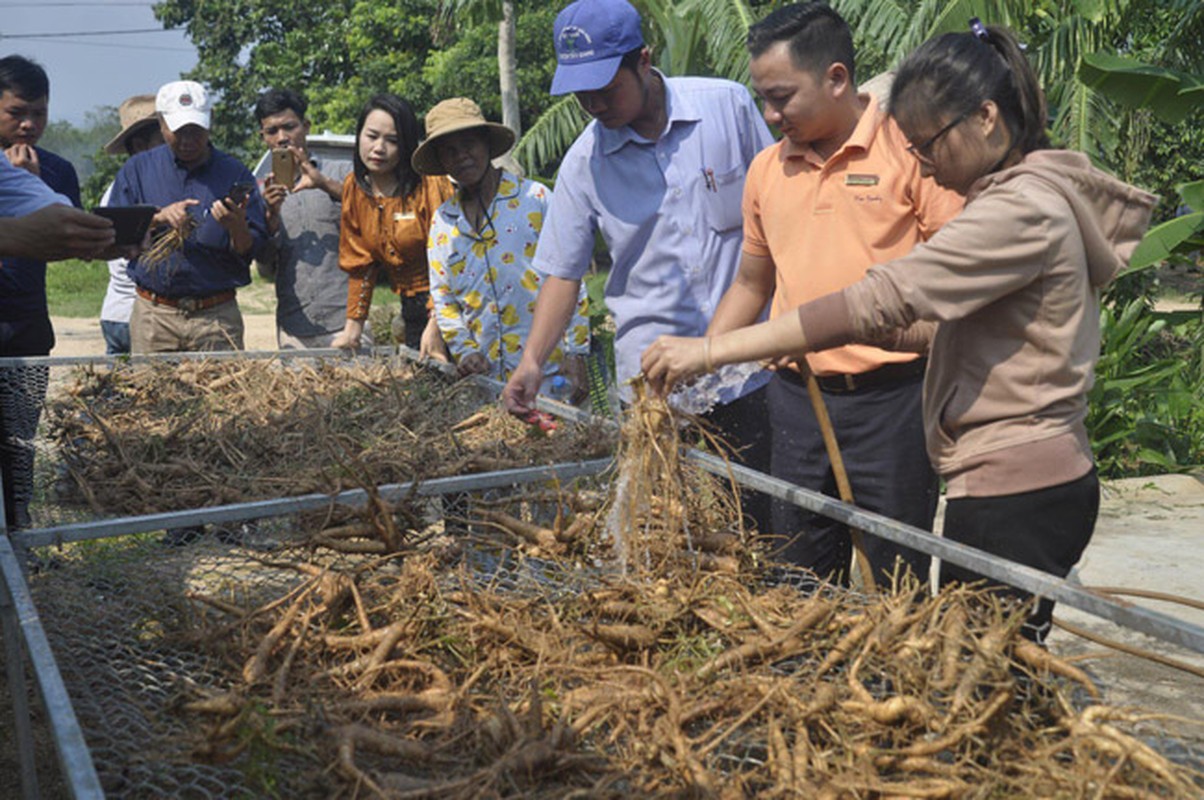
(979, 30)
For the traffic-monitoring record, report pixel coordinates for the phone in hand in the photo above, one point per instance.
(284, 167)
(130, 223)
(239, 192)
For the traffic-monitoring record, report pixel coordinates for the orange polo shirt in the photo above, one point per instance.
(824, 223)
(387, 233)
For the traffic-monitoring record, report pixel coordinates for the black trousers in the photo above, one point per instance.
(22, 393)
(1046, 529)
(415, 315)
(744, 425)
(880, 433)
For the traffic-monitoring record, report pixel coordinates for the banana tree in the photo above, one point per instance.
(1059, 35)
(1172, 95)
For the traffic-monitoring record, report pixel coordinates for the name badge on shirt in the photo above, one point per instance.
(853, 179)
(398, 216)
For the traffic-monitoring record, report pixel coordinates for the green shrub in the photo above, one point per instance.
(1144, 412)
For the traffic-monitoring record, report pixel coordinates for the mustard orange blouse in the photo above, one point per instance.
(387, 233)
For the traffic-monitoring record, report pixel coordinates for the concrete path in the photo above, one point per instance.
(1150, 535)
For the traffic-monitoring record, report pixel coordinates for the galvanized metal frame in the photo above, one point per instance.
(259, 509)
(217, 355)
(15, 670)
(20, 615)
(1122, 612)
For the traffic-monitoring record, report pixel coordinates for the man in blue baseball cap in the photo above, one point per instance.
(660, 174)
(591, 40)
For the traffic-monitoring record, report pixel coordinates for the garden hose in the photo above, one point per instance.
(1131, 649)
(597, 383)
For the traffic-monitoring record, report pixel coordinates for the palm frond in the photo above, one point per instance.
(956, 16)
(898, 26)
(676, 36)
(884, 22)
(1184, 48)
(726, 24)
(549, 137)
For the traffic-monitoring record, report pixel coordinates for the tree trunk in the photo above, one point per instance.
(507, 64)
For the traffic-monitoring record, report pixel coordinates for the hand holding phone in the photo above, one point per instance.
(284, 167)
(130, 223)
(238, 193)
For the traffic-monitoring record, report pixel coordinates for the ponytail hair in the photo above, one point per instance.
(956, 72)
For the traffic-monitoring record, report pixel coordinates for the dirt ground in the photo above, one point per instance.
(81, 337)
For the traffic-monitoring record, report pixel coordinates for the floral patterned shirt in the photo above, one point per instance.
(483, 285)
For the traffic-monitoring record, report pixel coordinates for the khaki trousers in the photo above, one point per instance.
(163, 329)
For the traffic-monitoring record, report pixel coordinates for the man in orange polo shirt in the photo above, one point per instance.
(839, 193)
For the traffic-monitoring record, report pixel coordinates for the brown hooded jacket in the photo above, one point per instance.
(1013, 283)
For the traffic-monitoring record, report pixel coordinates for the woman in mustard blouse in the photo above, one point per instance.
(387, 212)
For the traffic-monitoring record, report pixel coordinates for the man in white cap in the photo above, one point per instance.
(659, 173)
(186, 301)
(139, 132)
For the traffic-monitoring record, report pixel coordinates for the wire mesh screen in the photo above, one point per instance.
(124, 633)
(22, 390)
(596, 637)
(149, 629)
(251, 663)
(153, 633)
(141, 439)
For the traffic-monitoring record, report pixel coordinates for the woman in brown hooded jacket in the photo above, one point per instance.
(1013, 285)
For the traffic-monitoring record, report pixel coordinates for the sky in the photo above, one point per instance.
(94, 70)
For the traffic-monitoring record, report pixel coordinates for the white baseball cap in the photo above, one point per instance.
(183, 103)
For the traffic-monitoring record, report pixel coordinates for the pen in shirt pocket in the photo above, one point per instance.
(708, 176)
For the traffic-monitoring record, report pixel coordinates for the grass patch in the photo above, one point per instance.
(76, 288)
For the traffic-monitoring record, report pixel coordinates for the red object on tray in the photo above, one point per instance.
(545, 421)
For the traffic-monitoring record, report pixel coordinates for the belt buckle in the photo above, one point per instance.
(189, 304)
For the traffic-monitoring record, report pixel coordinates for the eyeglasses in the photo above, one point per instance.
(923, 150)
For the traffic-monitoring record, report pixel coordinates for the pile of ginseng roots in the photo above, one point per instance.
(167, 437)
(689, 672)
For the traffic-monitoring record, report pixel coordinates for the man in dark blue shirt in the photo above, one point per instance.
(25, 328)
(24, 98)
(186, 301)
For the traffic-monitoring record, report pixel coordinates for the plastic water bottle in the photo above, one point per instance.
(560, 390)
(701, 395)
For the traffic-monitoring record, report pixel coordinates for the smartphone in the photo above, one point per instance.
(284, 166)
(130, 222)
(239, 192)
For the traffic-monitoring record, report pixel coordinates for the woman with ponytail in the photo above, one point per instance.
(1013, 283)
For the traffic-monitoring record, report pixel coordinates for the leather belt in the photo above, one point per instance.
(886, 375)
(187, 304)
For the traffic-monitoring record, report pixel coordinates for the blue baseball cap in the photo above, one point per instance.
(591, 38)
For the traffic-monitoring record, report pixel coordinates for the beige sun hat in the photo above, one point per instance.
(136, 113)
(450, 116)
